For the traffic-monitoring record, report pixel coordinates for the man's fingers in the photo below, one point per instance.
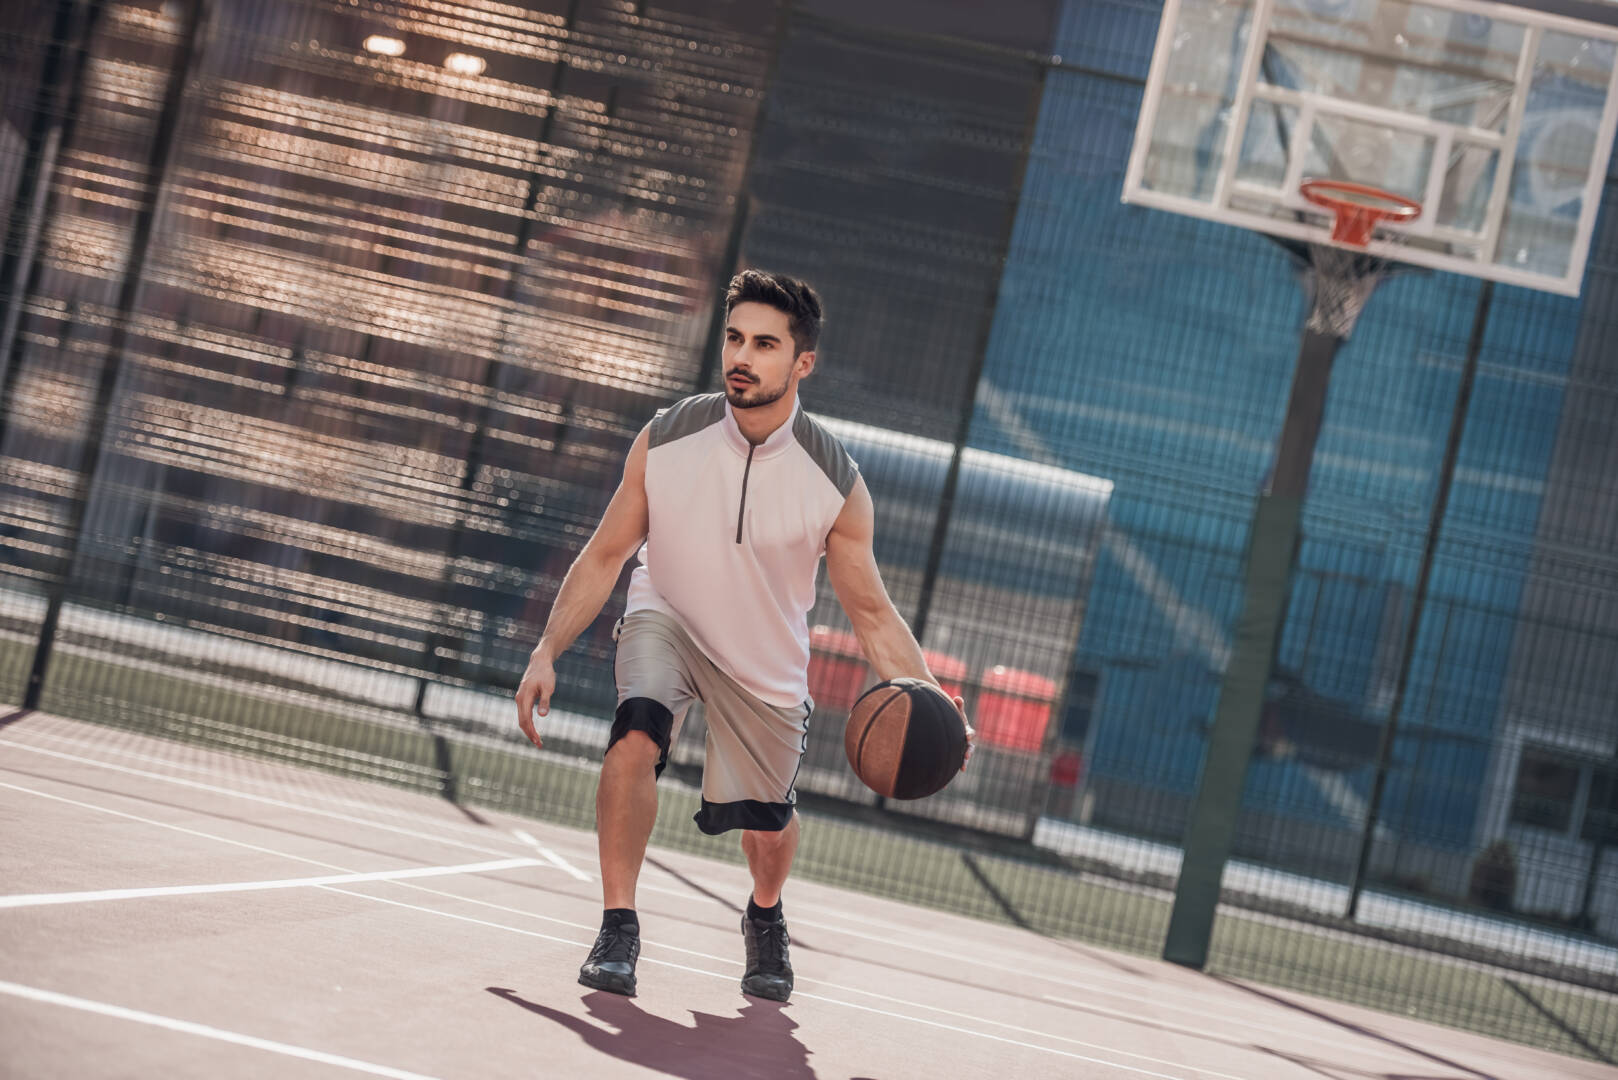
(525, 715)
(960, 707)
(971, 732)
(527, 726)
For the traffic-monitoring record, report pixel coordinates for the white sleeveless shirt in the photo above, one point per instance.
(735, 537)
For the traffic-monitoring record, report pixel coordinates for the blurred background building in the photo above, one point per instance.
(326, 326)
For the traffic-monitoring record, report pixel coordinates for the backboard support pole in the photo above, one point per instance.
(1340, 283)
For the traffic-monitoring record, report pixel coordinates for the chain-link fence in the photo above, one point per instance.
(326, 328)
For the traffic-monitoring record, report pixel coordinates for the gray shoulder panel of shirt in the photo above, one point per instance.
(686, 417)
(823, 447)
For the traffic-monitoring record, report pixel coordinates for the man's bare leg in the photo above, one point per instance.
(764, 931)
(769, 857)
(626, 810)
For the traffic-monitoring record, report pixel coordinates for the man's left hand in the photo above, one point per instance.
(971, 733)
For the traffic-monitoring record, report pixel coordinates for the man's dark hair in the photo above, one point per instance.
(791, 297)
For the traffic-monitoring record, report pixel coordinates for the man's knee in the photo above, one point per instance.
(772, 838)
(642, 729)
(634, 750)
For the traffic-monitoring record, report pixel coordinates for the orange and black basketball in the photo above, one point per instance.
(905, 739)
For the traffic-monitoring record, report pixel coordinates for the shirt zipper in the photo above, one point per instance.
(740, 510)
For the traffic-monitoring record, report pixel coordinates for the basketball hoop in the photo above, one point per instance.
(1359, 208)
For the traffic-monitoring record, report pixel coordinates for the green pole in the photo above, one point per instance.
(162, 152)
(1272, 546)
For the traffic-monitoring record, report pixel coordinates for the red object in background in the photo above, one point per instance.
(1066, 768)
(1014, 708)
(837, 671)
(950, 671)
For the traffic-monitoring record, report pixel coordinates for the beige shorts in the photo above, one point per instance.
(753, 751)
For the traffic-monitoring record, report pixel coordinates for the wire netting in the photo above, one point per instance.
(326, 329)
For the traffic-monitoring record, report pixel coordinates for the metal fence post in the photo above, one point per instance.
(162, 156)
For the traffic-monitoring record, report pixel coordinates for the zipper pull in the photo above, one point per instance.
(742, 509)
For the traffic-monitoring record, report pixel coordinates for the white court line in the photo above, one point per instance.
(213, 768)
(1156, 998)
(175, 828)
(1366, 1048)
(1361, 1049)
(683, 967)
(50, 997)
(551, 857)
(955, 953)
(1200, 1009)
(1197, 1003)
(832, 1001)
(664, 947)
(21, 900)
(1228, 1010)
(682, 891)
(265, 799)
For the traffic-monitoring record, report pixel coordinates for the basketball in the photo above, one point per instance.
(905, 739)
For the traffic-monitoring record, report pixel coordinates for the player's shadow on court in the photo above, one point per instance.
(755, 1044)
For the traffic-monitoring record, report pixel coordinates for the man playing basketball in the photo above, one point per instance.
(731, 500)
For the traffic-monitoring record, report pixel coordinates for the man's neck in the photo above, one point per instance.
(759, 424)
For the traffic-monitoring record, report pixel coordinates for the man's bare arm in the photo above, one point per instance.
(587, 586)
(887, 642)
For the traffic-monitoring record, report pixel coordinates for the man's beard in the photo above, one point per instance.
(753, 397)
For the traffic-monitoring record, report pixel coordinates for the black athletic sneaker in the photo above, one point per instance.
(611, 965)
(769, 967)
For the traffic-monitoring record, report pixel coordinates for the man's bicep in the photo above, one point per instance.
(850, 560)
(856, 522)
(623, 526)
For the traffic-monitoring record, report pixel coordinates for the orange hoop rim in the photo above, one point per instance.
(1355, 221)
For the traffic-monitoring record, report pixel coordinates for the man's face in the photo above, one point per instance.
(759, 361)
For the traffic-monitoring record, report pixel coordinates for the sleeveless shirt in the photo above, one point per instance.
(735, 536)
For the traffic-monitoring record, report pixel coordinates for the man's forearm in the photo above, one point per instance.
(891, 648)
(583, 594)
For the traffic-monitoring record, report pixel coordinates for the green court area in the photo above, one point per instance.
(987, 878)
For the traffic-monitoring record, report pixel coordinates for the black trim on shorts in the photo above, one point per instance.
(803, 748)
(648, 715)
(716, 818)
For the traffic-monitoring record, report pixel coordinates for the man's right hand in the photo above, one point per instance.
(535, 690)
(588, 585)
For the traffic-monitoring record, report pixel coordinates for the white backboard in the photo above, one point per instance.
(1499, 119)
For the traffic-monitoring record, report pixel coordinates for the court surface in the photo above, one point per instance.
(169, 910)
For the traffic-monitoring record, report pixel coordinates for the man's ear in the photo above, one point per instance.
(805, 362)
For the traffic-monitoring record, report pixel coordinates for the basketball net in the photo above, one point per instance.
(1341, 279)
(1339, 282)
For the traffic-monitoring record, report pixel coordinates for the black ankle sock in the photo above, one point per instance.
(769, 914)
(619, 916)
